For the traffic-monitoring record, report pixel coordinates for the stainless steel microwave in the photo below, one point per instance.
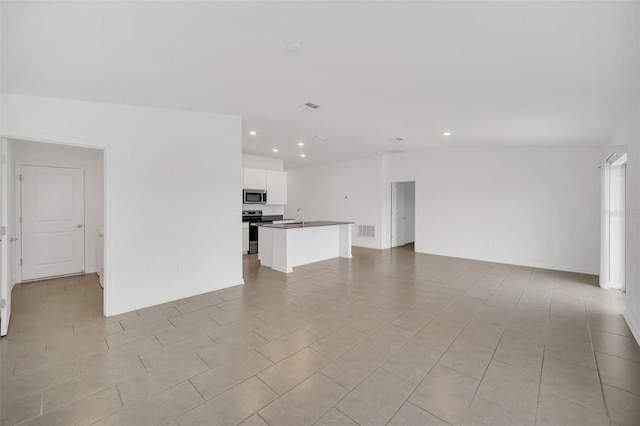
(254, 196)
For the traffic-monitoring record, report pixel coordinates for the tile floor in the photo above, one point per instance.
(388, 337)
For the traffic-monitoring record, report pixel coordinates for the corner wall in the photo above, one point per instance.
(172, 223)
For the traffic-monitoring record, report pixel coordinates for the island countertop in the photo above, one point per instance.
(283, 246)
(309, 224)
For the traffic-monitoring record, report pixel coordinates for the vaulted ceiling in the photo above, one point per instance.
(491, 73)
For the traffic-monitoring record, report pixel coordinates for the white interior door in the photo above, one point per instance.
(52, 221)
(397, 214)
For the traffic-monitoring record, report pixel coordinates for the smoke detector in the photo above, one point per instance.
(309, 107)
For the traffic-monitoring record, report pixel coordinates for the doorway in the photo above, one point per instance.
(613, 239)
(55, 215)
(403, 207)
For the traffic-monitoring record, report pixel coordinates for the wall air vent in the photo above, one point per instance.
(366, 231)
(395, 151)
(308, 106)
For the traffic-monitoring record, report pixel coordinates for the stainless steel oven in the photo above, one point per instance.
(253, 217)
(254, 196)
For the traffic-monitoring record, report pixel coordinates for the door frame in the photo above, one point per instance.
(389, 218)
(4, 243)
(12, 203)
(17, 191)
(18, 216)
(394, 221)
(613, 188)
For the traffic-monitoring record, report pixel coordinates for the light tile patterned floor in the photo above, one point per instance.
(388, 337)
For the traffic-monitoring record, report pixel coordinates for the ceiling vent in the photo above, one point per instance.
(398, 139)
(308, 106)
(396, 151)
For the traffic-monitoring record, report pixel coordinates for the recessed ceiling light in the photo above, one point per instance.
(303, 155)
(275, 149)
(446, 133)
(300, 143)
(252, 133)
(320, 137)
(295, 47)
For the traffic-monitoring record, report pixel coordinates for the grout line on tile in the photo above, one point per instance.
(265, 383)
(336, 407)
(196, 388)
(120, 396)
(263, 419)
(544, 349)
(422, 409)
(604, 400)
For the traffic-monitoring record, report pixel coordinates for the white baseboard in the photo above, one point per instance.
(635, 330)
(512, 261)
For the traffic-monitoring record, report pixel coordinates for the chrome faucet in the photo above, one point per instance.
(300, 215)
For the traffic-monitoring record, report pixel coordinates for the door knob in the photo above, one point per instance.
(12, 239)
(78, 226)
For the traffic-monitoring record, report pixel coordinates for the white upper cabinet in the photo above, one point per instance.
(276, 187)
(255, 179)
(274, 182)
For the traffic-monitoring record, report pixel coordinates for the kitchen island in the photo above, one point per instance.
(283, 246)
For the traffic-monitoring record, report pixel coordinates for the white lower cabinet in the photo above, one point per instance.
(245, 237)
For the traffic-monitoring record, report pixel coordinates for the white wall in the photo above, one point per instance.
(627, 137)
(171, 192)
(91, 161)
(350, 191)
(258, 162)
(532, 206)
